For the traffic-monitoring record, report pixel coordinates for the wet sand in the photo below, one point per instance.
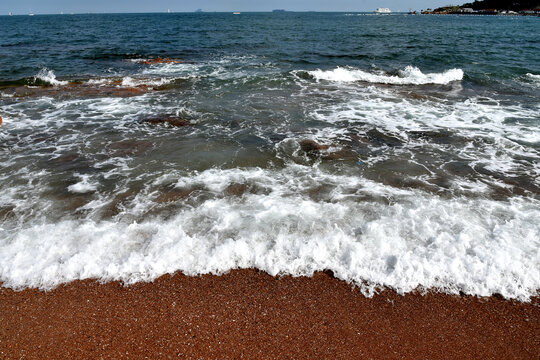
(251, 315)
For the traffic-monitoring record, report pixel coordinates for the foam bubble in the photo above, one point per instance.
(408, 76)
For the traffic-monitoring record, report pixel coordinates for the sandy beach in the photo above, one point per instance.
(252, 315)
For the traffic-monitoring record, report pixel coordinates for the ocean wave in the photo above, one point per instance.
(533, 79)
(49, 77)
(477, 246)
(409, 76)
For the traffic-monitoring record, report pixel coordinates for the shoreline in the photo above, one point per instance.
(250, 314)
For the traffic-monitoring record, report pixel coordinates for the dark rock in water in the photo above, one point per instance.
(402, 182)
(459, 168)
(118, 204)
(342, 154)
(378, 138)
(437, 137)
(310, 146)
(7, 212)
(168, 120)
(314, 149)
(129, 91)
(174, 194)
(71, 162)
(442, 182)
(236, 189)
(72, 203)
(129, 147)
(160, 61)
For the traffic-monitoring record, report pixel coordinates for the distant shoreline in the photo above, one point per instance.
(480, 14)
(280, 13)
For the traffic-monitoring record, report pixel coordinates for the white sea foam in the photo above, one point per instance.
(49, 77)
(177, 69)
(104, 81)
(408, 76)
(477, 246)
(84, 186)
(131, 82)
(472, 118)
(534, 79)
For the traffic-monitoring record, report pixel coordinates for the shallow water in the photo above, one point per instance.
(393, 150)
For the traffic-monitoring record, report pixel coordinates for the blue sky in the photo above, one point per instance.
(78, 6)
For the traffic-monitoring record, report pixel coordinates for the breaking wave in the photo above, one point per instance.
(409, 76)
(49, 77)
(477, 246)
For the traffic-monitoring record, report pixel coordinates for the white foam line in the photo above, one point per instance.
(408, 76)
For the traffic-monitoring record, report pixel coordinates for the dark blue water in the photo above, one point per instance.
(497, 48)
(394, 150)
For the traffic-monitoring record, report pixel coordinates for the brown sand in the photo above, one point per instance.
(251, 315)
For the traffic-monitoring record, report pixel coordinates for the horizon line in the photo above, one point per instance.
(198, 12)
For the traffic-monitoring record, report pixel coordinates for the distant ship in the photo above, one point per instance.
(10, 14)
(236, 13)
(30, 14)
(383, 11)
(168, 11)
(198, 11)
(279, 10)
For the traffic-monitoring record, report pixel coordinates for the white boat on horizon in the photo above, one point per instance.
(383, 11)
(236, 13)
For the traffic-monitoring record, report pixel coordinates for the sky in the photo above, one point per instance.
(107, 6)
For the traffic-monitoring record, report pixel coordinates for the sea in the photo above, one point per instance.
(395, 151)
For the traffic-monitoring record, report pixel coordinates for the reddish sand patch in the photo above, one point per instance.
(247, 314)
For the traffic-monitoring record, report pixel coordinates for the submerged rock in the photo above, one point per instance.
(310, 146)
(129, 147)
(70, 162)
(378, 138)
(168, 120)
(173, 195)
(342, 154)
(236, 189)
(160, 61)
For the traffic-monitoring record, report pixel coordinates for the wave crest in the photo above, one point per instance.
(49, 77)
(409, 76)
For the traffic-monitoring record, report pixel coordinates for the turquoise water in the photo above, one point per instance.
(394, 150)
